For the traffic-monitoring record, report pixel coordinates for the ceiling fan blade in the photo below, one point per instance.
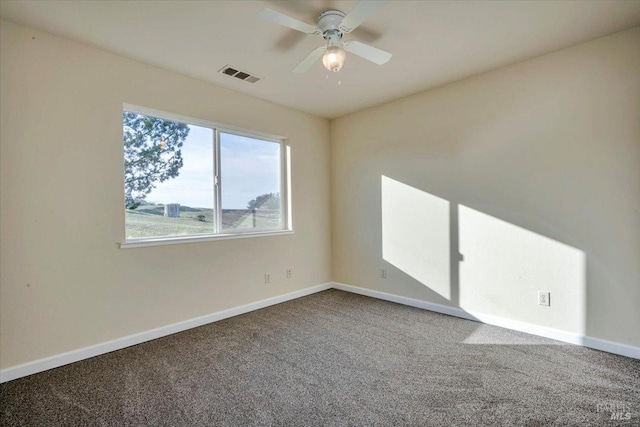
(287, 21)
(367, 52)
(309, 60)
(360, 13)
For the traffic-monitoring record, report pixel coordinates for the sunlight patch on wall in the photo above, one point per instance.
(415, 234)
(505, 266)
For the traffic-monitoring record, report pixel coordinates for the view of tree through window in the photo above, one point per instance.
(170, 184)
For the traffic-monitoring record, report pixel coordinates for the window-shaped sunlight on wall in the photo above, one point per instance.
(415, 234)
(505, 266)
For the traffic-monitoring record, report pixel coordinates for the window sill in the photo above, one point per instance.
(162, 241)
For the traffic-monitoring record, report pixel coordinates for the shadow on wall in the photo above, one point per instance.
(473, 261)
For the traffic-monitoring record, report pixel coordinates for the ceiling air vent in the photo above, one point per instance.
(242, 75)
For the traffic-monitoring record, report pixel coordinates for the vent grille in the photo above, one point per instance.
(242, 75)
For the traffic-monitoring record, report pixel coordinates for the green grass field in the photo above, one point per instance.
(149, 221)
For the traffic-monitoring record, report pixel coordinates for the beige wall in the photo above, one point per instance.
(65, 284)
(530, 172)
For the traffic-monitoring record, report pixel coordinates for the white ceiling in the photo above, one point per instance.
(433, 42)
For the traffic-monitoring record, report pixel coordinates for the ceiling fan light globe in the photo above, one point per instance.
(333, 58)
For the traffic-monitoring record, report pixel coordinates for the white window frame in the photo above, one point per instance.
(285, 226)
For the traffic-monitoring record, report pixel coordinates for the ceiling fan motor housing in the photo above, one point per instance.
(329, 23)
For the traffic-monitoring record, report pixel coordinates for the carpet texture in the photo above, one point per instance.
(334, 359)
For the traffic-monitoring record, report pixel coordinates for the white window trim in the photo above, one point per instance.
(179, 240)
(286, 225)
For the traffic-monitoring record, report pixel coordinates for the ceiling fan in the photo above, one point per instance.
(332, 25)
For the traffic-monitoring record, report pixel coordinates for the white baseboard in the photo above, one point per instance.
(40, 365)
(611, 347)
(543, 331)
(62, 359)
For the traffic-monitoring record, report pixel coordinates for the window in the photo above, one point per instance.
(187, 179)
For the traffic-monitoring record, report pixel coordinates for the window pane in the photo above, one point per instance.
(168, 178)
(250, 175)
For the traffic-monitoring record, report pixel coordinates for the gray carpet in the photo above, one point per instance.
(334, 359)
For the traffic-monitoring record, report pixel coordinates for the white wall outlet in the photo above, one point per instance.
(544, 298)
(383, 273)
(289, 273)
(267, 278)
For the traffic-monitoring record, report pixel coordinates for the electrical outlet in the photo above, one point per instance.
(267, 278)
(544, 298)
(289, 273)
(383, 273)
